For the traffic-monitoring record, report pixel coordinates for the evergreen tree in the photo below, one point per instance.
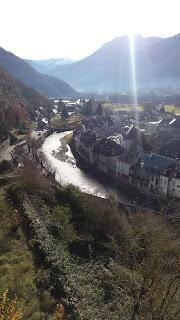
(60, 105)
(99, 110)
(64, 113)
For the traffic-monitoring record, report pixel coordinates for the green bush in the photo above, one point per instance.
(15, 194)
(60, 220)
(5, 165)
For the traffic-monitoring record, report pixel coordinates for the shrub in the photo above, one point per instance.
(59, 313)
(9, 309)
(15, 194)
(60, 218)
(32, 180)
(5, 165)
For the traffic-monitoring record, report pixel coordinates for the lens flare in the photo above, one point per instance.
(133, 70)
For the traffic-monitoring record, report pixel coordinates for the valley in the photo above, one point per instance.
(90, 182)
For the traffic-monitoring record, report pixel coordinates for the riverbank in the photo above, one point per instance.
(70, 169)
(133, 198)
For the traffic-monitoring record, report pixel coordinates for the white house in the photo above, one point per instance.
(174, 187)
(164, 185)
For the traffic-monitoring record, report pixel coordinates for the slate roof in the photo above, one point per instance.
(88, 137)
(132, 133)
(175, 123)
(138, 137)
(131, 155)
(154, 164)
(108, 147)
(165, 122)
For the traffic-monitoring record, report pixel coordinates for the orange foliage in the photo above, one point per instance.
(59, 313)
(9, 309)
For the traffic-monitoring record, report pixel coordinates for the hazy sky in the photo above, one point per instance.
(75, 28)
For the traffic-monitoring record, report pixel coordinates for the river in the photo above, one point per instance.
(62, 161)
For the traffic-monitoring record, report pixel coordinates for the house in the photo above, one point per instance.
(103, 126)
(152, 172)
(126, 162)
(174, 186)
(134, 136)
(84, 139)
(43, 123)
(106, 153)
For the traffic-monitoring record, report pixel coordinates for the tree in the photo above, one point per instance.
(88, 108)
(61, 105)
(31, 179)
(64, 113)
(99, 110)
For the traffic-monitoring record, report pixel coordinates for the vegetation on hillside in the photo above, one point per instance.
(17, 101)
(67, 255)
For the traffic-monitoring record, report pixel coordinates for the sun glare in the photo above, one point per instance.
(133, 68)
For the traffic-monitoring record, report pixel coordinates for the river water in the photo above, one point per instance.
(61, 159)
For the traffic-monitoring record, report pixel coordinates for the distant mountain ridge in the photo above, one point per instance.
(109, 69)
(45, 84)
(47, 65)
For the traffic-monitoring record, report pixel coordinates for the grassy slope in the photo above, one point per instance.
(17, 271)
(101, 263)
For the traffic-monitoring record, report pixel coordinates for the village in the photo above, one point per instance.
(141, 150)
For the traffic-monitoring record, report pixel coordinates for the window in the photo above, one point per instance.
(151, 178)
(156, 181)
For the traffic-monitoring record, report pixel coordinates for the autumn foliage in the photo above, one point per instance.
(59, 313)
(9, 309)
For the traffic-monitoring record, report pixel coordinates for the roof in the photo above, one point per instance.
(154, 164)
(131, 155)
(98, 122)
(175, 123)
(108, 148)
(88, 137)
(165, 122)
(138, 137)
(132, 133)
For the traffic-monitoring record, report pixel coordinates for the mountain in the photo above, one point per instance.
(46, 85)
(17, 101)
(157, 64)
(46, 66)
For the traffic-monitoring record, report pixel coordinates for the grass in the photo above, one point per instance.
(173, 109)
(130, 107)
(122, 107)
(17, 272)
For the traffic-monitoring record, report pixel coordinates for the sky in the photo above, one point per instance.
(40, 29)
